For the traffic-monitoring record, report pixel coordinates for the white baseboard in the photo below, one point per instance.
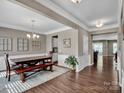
(91, 64)
(85, 67)
(83, 62)
(78, 70)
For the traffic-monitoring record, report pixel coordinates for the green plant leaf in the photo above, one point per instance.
(71, 61)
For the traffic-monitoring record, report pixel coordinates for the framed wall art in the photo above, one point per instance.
(67, 43)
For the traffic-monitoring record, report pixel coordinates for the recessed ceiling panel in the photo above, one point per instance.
(91, 11)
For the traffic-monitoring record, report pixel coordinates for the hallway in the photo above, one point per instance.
(94, 79)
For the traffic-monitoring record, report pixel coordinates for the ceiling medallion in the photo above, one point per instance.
(76, 1)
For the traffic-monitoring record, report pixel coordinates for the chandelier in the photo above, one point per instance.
(34, 36)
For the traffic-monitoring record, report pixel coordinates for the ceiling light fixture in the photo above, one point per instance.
(33, 35)
(29, 36)
(99, 24)
(76, 1)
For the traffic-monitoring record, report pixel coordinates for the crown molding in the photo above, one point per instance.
(107, 31)
(30, 30)
(52, 6)
(58, 30)
(64, 13)
(45, 11)
(104, 28)
(19, 28)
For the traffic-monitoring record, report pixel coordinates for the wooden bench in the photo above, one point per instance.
(20, 68)
(38, 67)
(31, 68)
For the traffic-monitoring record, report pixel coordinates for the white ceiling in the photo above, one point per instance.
(88, 12)
(18, 17)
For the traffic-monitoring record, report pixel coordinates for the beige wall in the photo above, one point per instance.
(14, 34)
(84, 55)
(110, 46)
(83, 42)
(79, 47)
(80, 42)
(121, 37)
(71, 33)
(123, 56)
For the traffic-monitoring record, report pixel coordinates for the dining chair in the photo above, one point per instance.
(9, 68)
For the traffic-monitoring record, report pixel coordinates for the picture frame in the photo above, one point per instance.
(67, 43)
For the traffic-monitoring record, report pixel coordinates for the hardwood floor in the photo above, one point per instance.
(93, 79)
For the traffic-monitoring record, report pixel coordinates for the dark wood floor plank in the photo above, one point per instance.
(93, 79)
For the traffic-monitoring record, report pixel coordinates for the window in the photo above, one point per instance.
(22, 44)
(98, 47)
(36, 45)
(5, 44)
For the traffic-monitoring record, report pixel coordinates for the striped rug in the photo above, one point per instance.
(16, 86)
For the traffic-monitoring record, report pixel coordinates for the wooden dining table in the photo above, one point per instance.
(31, 62)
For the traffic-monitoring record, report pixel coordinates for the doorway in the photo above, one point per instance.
(55, 48)
(98, 47)
(106, 51)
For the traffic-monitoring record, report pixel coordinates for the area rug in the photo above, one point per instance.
(16, 86)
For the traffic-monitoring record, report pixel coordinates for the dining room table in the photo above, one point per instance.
(32, 64)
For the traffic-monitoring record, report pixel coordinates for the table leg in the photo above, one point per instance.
(51, 68)
(22, 77)
(44, 68)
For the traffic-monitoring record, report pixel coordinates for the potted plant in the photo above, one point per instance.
(72, 62)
